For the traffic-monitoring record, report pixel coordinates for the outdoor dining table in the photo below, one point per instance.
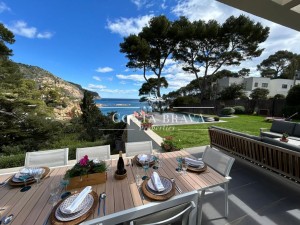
(33, 208)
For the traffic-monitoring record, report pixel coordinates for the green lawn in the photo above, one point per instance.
(197, 135)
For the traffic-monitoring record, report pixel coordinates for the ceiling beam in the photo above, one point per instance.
(269, 10)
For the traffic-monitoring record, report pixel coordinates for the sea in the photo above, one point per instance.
(121, 106)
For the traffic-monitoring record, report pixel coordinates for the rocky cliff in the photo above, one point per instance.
(62, 95)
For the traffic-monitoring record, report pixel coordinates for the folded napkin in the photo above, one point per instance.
(193, 162)
(157, 182)
(143, 157)
(32, 170)
(78, 200)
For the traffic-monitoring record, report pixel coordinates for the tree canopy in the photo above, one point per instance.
(212, 45)
(259, 94)
(276, 64)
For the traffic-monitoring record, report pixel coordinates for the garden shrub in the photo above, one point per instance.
(216, 118)
(239, 109)
(227, 111)
(12, 161)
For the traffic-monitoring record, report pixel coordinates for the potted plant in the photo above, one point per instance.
(86, 172)
(284, 137)
(146, 124)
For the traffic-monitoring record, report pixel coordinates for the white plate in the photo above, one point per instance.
(68, 217)
(65, 204)
(165, 181)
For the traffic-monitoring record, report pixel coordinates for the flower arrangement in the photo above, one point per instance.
(169, 145)
(86, 166)
(146, 124)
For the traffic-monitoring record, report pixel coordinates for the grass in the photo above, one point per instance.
(186, 136)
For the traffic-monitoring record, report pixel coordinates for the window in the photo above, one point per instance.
(284, 86)
(264, 85)
(255, 84)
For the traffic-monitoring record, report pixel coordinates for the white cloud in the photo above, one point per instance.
(123, 82)
(104, 69)
(127, 26)
(44, 35)
(94, 86)
(97, 78)
(118, 91)
(110, 78)
(142, 3)
(21, 28)
(4, 7)
(195, 9)
(134, 77)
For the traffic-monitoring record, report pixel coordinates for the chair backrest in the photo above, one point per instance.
(50, 158)
(135, 148)
(219, 161)
(167, 216)
(185, 202)
(96, 152)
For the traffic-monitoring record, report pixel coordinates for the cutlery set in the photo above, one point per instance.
(6, 219)
(102, 196)
(176, 186)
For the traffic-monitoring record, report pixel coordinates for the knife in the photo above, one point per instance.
(99, 205)
(141, 193)
(104, 205)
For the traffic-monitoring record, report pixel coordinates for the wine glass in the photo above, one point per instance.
(37, 174)
(184, 167)
(64, 182)
(179, 167)
(23, 176)
(145, 167)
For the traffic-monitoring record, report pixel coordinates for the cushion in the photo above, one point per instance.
(270, 134)
(296, 132)
(280, 144)
(282, 126)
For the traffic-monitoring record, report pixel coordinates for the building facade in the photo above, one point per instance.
(275, 86)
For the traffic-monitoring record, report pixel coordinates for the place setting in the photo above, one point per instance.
(140, 159)
(157, 187)
(75, 208)
(195, 165)
(28, 175)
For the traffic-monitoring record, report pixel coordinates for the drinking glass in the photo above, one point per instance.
(54, 192)
(108, 165)
(64, 182)
(24, 177)
(157, 157)
(145, 167)
(184, 167)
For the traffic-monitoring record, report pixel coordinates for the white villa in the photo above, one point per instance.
(275, 86)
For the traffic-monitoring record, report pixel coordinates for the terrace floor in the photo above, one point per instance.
(255, 198)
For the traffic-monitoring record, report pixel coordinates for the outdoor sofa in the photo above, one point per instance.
(279, 157)
(279, 127)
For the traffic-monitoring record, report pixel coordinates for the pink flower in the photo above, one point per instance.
(84, 161)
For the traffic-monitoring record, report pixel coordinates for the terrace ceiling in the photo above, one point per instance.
(284, 12)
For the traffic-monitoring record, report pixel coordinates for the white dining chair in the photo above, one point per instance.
(179, 207)
(135, 148)
(50, 158)
(96, 152)
(221, 163)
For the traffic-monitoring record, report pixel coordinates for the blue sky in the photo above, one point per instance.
(79, 40)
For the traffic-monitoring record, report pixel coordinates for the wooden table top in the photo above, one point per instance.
(32, 207)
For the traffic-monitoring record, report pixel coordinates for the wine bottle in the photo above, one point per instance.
(120, 165)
